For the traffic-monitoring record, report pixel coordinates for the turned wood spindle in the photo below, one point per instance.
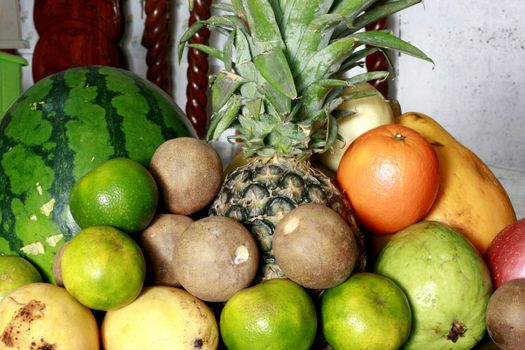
(196, 91)
(377, 60)
(156, 40)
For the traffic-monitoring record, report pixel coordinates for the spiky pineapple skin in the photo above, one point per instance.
(260, 193)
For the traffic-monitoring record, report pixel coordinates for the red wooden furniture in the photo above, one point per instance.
(196, 90)
(155, 39)
(76, 33)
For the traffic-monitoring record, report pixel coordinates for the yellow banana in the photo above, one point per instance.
(470, 197)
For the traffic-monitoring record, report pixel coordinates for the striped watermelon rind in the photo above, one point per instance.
(59, 129)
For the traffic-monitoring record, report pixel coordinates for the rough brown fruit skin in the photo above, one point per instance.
(57, 269)
(158, 242)
(506, 315)
(216, 257)
(315, 247)
(188, 172)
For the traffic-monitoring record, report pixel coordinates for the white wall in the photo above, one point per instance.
(477, 87)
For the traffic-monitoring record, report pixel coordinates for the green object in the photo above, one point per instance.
(10, 79)
(103, 268)
(119, 193)
(446, 281)
(367, 311)
(15, 272)
(276, 314)
(285, 63)
(58, 130)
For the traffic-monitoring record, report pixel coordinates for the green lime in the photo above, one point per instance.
(103, 268)
(16, 271)
(367, 311)
(120, 193)
(275, 314)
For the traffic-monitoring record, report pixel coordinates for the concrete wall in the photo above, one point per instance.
(477, 87)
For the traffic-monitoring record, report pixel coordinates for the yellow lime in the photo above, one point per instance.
(120, 193)
(367, 311)
(275, 314)
(103, 268)
(16, 271)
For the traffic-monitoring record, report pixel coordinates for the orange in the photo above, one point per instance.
(15, 272)
(367, 311)
(390, 176)
(103, 268)
(276, 314)
(120, 193)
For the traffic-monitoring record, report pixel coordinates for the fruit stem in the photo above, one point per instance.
(399, 137)
(457, 330)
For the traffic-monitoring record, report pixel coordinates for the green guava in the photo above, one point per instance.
(447, 283)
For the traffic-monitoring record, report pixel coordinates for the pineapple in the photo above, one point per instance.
(285, 63)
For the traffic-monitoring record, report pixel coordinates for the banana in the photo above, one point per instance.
(470, 197)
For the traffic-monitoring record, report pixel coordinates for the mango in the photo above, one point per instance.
(471, 198)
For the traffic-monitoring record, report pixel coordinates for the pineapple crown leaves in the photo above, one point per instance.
(284, 66)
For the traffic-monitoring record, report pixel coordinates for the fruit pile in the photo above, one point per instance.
(343, 224)
(140, 275)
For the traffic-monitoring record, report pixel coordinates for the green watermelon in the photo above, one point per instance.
(59, 129)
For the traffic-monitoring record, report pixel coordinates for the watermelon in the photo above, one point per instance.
(59, 129)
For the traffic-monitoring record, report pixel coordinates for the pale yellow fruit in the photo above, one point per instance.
(161, 318)
(44, 316)
(367, 113)
(237, 161)
(470, 197)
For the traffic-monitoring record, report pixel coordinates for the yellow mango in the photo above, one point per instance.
(470, 197)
